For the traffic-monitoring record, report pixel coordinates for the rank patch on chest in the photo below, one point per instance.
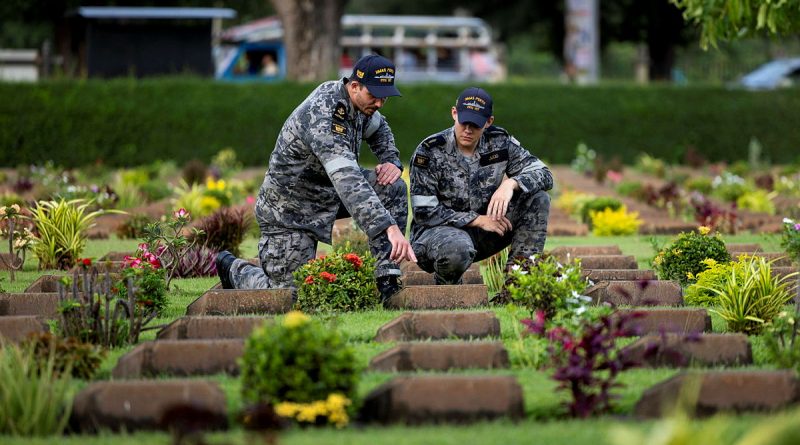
(494, 157)
(338, 129)
(339, 113)
(421, 161)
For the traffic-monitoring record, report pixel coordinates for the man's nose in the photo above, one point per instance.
(379, 101)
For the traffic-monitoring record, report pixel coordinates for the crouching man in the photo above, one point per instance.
(474, 191)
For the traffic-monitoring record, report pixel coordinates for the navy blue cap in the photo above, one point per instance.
(377, 74)
(474, 106)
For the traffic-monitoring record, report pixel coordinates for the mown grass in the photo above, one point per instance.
(545, 422)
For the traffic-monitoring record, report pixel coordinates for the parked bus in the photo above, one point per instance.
(424, 48)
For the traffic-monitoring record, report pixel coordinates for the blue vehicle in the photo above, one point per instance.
(776, 74)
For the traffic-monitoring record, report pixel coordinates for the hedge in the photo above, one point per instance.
(130, 122)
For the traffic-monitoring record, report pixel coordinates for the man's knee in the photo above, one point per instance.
(454, 260)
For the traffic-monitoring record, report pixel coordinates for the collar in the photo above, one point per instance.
(352, 112)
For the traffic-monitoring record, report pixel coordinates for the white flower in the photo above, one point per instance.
(585, 298)
(523, 272)
(532, 257)
(787, 221)
(515, 267)
(580, 309)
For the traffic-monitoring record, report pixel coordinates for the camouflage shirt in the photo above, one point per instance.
(314, 167)
(448, 188)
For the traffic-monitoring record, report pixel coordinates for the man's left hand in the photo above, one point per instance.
(498, 205)
(387, 173)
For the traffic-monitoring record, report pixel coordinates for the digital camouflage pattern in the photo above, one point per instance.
(313, 179)
(449, 190)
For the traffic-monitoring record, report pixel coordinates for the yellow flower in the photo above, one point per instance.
(211, 184)
(15, 208)
(709, 262)
(209, 204)
(294, 319)
(690, 275)
(286, 409)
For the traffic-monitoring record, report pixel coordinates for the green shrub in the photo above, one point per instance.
(684, 257)
(149, 282)
(35, 398)
(596, 205)
(651, 165)
(729, 187)
(133, 227)
(340, 282)
(631, 189)
(494, 272)
(782, 341)
(700, 184)
(543, 283)
(756, 201)
(297, 360)
(790, 238)
(716, 276)
(63, 228)
(755, 298)
(81, 359)
(225, 229)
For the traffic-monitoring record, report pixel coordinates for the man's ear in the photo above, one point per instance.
(454, 113)
(489, 122)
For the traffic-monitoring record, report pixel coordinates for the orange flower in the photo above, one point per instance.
(327, 276)
(354, 259)
(309, 280)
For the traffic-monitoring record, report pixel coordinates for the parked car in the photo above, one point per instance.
(776, 74)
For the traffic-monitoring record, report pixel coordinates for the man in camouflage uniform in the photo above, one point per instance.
(474, 191)
(314, 178)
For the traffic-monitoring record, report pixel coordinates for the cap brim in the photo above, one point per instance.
(381, 91)
(471, 117)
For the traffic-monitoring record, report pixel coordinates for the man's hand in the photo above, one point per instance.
(387, 173)
(498, 205)
(401, 248)
(489, 224)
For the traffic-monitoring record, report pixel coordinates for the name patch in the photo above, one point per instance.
(421, 161)
(494, 157)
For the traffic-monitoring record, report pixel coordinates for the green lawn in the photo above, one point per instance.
(544, 423)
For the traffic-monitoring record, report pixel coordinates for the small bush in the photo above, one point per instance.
(62, 228)
(35, 398)
(716, 276)
(609, 222)
(651, 165)
(81, 359)
(755, 298)
(542, 283)
(631, 189)
(790, 238)
(684, 257)
(572, 202)
(598, 204)
(297, 360)
(782, 341)
(133, 227)
(340, 282)
(225, 229)
(195, 261)
(729, 187)
(700, 184)
(757, 201)
(149, 281)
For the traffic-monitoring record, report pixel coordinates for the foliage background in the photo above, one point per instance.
(129, 122)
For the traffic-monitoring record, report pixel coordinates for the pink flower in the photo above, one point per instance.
(181, 213)
(797, 226)
(250, 200)
(143, 247)
(536, 326)
(614, 176)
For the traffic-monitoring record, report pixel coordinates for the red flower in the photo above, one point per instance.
(309, 280)
(327, 276)
(155, 263)
(354, 259)
(86, 262)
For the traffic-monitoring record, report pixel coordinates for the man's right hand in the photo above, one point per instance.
(401, 248)
(487, 223)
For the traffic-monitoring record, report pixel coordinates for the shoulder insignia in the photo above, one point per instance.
(421, 161)
(340, 112)
(434, 141)
(496, 131)
(338, 128)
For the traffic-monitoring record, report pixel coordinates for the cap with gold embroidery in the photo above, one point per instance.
(377, 74)
(474, 106)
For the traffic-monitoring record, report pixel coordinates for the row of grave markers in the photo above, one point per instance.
(210, 339)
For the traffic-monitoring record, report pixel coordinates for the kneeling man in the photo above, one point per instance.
(474, 191)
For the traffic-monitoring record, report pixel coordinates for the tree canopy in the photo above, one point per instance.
(733, 19)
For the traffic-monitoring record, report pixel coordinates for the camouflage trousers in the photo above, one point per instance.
(447, 251)
(282, 251)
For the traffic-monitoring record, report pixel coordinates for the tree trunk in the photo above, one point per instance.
(311, 31)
